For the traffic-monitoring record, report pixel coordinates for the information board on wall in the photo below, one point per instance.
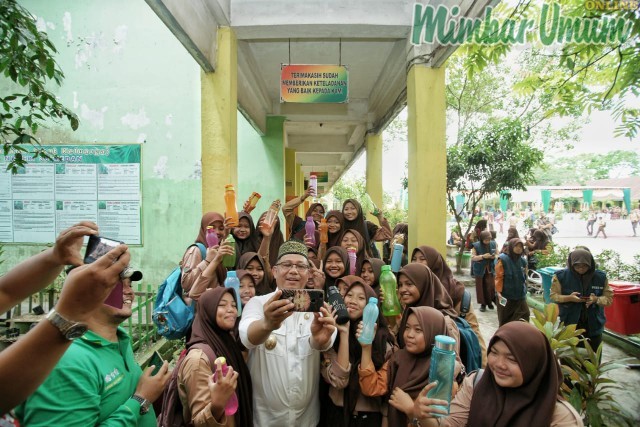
(99, 183)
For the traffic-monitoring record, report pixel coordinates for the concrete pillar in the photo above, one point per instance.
(219, 105)
(426, 123)
(374, 171)
(290, 173)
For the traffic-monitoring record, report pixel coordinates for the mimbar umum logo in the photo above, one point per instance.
(445, 26)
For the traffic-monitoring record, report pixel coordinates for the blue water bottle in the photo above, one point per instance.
(396, 258)
(232, 282)
(443, 360)
(369, 319)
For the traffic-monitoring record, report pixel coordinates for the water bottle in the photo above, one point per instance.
(230, 205)
(232, 282)
(310, 231)
(253, 199)
(212, 237)
(323, 228)
(313, 183)
(391, 305)
(272, 213)
(369, 319)
(443, 360)
(232, 404)
(229, 261)
(337, 302)
(352, 260)
(396, 258)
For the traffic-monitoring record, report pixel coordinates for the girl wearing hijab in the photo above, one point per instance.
(247, 239)
(353, 239)
(295, 224)
(274, 239)
(512, 233)
(511, 278)
(354, 220)
(483, 254)
(538, 244)
(519, 388)
(348, 406)
(407, 372)
(430, 257)
(370, 273)
(203, 399)
(335, 266)
(197, 273)
(335, 226)
(401, 236)
(419, 287)
(255, 265)
(581, 291)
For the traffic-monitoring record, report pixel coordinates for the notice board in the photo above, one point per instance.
(99, 183)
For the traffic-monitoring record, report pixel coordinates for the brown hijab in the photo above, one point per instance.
(540, 240)
(252, 242)
(330, 281)
(432, 293)
(511, 244)
(264, 287)
(207, 219)
(582, 256)
(376, 266)
(439, 267)
(378, 349)
(365, 228)
(205, 330)
(298, 231)
(535, 399)
(361, 254)
(333, 237)
(276, 239)
(409, 371)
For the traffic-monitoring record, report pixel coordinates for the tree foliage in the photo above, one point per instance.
(587, 167)
(578, 76)
(27, 59)
(493, 157)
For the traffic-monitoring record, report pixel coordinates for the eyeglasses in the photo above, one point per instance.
(286, 266)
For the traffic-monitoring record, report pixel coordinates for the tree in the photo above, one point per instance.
(27, 59)
(589, 166)
(492, 157)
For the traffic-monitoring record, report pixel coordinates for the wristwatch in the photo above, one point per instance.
(68, 328)
(144, 403)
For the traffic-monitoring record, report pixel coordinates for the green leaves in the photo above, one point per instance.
(27, 58)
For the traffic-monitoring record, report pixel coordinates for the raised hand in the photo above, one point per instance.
(277, 310)
(222, 388)
(66, 250)
(423, 406)
(323, 326)
(318, 275)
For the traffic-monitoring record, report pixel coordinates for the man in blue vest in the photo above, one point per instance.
(582, 292)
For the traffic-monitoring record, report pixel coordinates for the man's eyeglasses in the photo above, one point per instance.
(286, 266)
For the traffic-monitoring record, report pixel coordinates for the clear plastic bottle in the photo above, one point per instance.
(232, 282)
(369, 319)
(389, 285)
(232, 404)
(396, 258)
(229, 261)
(337, 302)
(323, 228)
(313, 183)
(443, 360)
(310, 231)
(231, 209)
(212, 237)
(351, 252)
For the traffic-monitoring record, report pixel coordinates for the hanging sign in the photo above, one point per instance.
(322, 176)
(314, 84)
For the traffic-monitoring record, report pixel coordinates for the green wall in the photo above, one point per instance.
(130, 81)
(261, 163)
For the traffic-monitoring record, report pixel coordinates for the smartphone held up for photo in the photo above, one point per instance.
(97, 247)
(157, 361)
(305, 300)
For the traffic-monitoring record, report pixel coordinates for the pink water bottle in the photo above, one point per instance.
(212, 237)
(313, 183)
(232, 404)
(352, 260)
(310, 231)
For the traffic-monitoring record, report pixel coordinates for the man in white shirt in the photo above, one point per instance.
(284, 346)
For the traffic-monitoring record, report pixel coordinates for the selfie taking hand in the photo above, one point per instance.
(323, 326)
(277, 310)
(68, 244)
(87, 286)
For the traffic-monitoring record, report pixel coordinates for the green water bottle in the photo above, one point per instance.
(229, 261)
(388, 284)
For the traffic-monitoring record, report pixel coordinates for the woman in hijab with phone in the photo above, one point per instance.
(354, 220)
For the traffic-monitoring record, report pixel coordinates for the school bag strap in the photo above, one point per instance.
(478, 376)
(465, 305)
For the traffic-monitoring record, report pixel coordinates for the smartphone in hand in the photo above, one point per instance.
(157, 361)
(97, 246)
(305, 300)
